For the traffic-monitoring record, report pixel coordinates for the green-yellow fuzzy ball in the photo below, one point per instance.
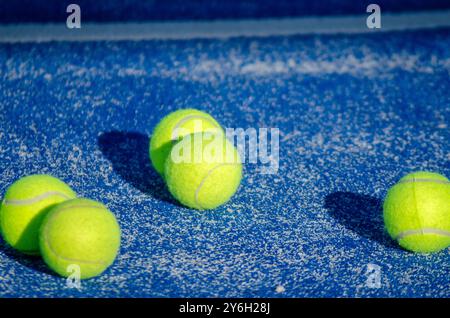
(203, 170)
(24, 206)
(417, 212)
(81, 233)
(173, 127)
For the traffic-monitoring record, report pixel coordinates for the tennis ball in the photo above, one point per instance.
(417, 212)
(203, 170)
(81, 233)
(25, 204)
(174, 126)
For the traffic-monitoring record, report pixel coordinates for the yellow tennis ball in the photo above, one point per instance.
(203, 170)
(417, 212)
(25, 204)
(81, 236)
(174, 126)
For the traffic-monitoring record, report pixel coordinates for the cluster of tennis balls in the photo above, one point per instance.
(41, 215)
(200, 184)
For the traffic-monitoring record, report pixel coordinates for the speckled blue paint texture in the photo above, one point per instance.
(356, 113)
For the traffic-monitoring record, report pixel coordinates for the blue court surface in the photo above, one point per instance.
(355, 112)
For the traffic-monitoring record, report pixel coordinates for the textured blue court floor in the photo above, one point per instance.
(356, 113)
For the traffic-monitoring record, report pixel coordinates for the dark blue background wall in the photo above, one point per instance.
(141, 10)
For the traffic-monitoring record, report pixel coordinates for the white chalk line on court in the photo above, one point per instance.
(220, 29)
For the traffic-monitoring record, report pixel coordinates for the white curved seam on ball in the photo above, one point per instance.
(407, 233)
(418, 219)
(68, 259)
(197, 191)
(424, 180)
(187, 118)
(35, 199)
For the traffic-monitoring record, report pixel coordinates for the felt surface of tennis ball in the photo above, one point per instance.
(200, 183)
(417, 212)
(79, 233)
(174, 126)
(24, 206)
